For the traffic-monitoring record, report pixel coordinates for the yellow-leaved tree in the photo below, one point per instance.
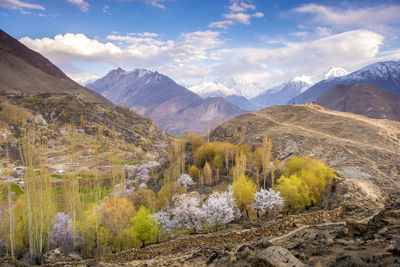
(303, 182)
(244, 190)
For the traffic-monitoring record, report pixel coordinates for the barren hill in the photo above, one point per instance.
(353, 145)
(26, 71)
(364, 99)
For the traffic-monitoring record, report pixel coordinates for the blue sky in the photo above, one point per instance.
(268, 42)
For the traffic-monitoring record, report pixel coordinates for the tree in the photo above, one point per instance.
(195, 140)
(115, 214)
(145, 227)
(220, 208)
(185, 180)
(146, 198)
(194, 171)
(61, 234)
(265, 200)
(166, 192)
(244, 190)
(165, 220)
(207, 172)
(303, 182)
(188, 214)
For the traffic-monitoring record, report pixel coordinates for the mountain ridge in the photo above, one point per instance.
(385, 75)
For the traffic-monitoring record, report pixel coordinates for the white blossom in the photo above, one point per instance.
(188, 214)
(142, 186)
(265, 200)
(185, 180)
(220, 208)
(165, 219)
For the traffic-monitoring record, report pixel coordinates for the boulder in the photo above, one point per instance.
(278, 257)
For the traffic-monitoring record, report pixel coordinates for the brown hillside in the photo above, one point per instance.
(364, 99)
(353, 145)
(26, 71)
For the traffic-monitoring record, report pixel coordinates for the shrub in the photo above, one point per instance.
(166, 192)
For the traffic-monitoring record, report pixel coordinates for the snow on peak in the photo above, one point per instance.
(208, 88)
(241, 86)
(302, 78)
(335, 72)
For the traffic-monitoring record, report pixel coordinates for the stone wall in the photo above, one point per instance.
(206, 240)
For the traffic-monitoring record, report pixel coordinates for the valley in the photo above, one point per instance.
(177, 133)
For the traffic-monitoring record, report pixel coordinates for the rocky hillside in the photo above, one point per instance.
(171, 106)
(385, 75)
(364, 99)
(35, 92)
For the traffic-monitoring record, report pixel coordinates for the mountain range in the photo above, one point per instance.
(385, 75)
(281, 94)
(173, 107)
(362, 98)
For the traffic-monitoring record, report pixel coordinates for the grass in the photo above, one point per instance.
(16, 189)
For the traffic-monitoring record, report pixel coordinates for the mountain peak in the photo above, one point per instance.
(302, 78)
(335, 72)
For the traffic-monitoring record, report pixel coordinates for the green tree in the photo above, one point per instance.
(244, 190)
(145, 227)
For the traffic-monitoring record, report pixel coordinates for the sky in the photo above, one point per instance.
(268, 42)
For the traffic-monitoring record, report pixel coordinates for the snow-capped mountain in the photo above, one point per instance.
(335, 72)
(209, 88)
(385, 75)
(241, 86)
(169, 104)
(281, 94)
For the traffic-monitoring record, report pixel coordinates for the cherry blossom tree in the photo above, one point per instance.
(185, 180)
(266, 200)
(61, 234)
(220, 208)
(165, 219)
(188, 214)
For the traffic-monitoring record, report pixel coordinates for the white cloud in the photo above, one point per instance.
(221, 24)
(242, 17)
(84, 6)
(179, 58)
(323, 31)
(240, 6)
(106, 8)
(236, 15)
(200, 54)
(361, 17)
(155, 3)
(19, 5)
(300, 34)
(349, 50)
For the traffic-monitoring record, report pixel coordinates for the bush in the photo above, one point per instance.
(303, 182)
(166, 192)
(146, 198)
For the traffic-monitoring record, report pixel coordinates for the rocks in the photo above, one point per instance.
(278, 257)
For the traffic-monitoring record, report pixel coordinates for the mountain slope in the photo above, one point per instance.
(282, 94)
(34, 90)
(26, 71)
(364, 99)
(385, 75)
(172, 106)
(353, 145)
